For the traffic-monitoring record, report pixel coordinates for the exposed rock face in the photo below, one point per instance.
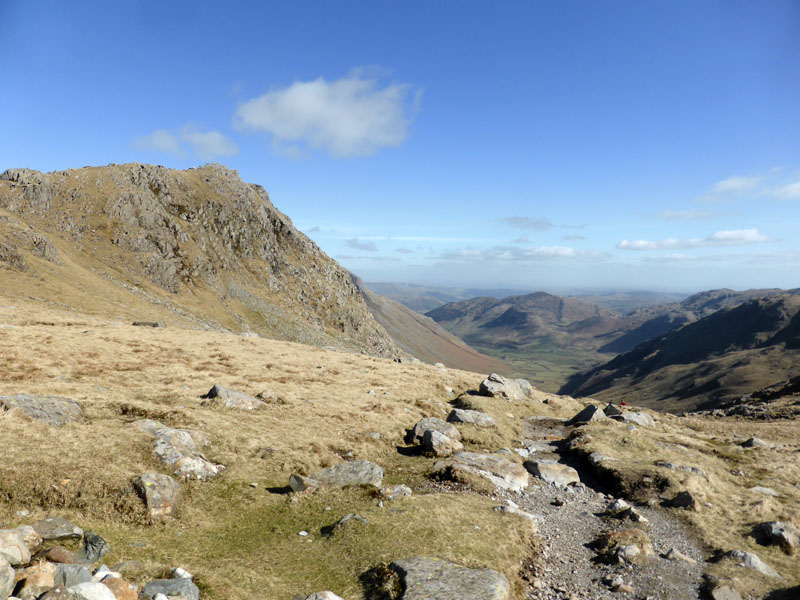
(53, 410)
(178, 233)
(436, 579)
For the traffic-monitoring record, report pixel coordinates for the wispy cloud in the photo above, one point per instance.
(687, 215)
(314, 229)
(523, 239)
(573, 237)
(735, 184)
(351, 116)
(517, 254)
(538, 224)
(730, 237)
(188, 141)
(404, 251)
(790, 191)
(357, 244)
(376, 258)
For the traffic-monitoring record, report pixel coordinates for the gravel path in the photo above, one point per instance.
(571, 519)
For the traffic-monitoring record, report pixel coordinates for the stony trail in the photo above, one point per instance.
(572, 519)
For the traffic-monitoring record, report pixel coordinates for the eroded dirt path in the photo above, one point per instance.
(572, 518)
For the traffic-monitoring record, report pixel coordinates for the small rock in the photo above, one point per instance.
(590, 414)
(752, 561)
(91, 590)
(624, 589)
(70, 575)
(121, 589)
(326, 595)
(437, 444)
(94, 547)
(155, 324)
(683, 500)
(161, 493)
(435, 579)
(53, 410)
(59, 554)
(13, 547)
(475, 417)
(725, 592)
(227, 398)
(498, 471)
(178, 587)
(346, 521)
(178, 572)
(764, 490)
(393, 492)
(355, 472)
(415, 434)
(552, 472)
(57, 593)
(497, 386)
(675, 554)
(6, 578)
(782, 534)
(755, 442)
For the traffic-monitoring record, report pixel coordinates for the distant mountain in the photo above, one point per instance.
(424, 298)
(722, 356)
(658, 320)
(627, 302)
(423, 338)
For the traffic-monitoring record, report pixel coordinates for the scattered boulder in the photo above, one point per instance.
(178, 587)
(511, 508)
(725, 592)
(683, 499)
(437, 444)
(70, 575)
(760, 489)
(6, 578)
(227, 398)
(475, 417)
(414, 435)
(589, 414)
(552, 472)
(500, 472)
(356, 472)
(755, 442)
(13, 547)
(497, 386)
(161, 493)
(781, 534)
(56, 528)
(393, 492)
(435, 579)
(91, 590)
(155, 324)
(53, 410)
(94, 547)
(752, 561)
(179, 449)
(642, 419)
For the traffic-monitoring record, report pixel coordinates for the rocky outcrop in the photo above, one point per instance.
(180, 449)
(496, 470)
(356, 472)
(53, 410)
(435, 579)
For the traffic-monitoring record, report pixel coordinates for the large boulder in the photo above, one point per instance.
(552, 472)
(589, 414)
(179, 587)
(355, 472)
(497, 386)
(227, 398)
(161, 493)
(498, 471)
(435, 579)
(475, 417)
(439, 445)
(781, 534)
(414, 435)
(180, 449)
(53, 410)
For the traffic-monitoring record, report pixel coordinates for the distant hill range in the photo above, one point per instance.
(199, 248)
(712, 360)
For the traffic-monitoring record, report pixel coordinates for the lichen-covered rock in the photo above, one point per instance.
(161, 493)
(435, 579)
(475, 417)
(752, 561)
(552, 472)
(355, 472)
(180, 449)
(53, 410)
(394, 492)
(494, 469)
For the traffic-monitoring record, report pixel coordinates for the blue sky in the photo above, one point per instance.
(533, 145)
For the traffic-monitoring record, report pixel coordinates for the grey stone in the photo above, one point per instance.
(684, 499)
(356, 472)
(6, 578)
(675, 554)
(179, 587)
(510, 508)
(755, 442)
(435, 579)
(725, 592)
(589, 414)
(154, 324)
(475, 417)
(612, 411)
(437, 444)
(781, 534)
(299, 483)
(326, 595)
(71, 575)
(752, 561)
(13, 547)
(497, 386)
(414, 435)
(161, 493)
(91, 590)
(499, 471)
(94, 547)
(227, 398)
(347, 521)
(56, 528)
(57, 593)
(642, 419)
(393, 492)
(552, 472)
(759, 489)
(53, 410)
(179, 449)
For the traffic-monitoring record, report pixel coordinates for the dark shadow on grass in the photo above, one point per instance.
(409, 450)
(280, 490)
(381, 583)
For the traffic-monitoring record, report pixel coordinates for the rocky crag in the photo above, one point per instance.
(198, 246)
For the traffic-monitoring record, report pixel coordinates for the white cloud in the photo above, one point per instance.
(516, 254)
(686, 215)
(730, 237)
(357, 244)
(351, 116)
(574, 237)
(735, 184)
(202, 144)
(404, 251)
(160, 140)
(791, 191)
(539, 224)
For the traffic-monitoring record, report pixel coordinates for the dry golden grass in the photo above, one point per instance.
(240, 541)
(728, 510)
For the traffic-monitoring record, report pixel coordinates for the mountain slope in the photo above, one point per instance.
(722, 356)
(423, 338)
(198, 246)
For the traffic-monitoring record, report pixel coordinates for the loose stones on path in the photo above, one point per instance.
(434, 579)
(491, 467)
(53, 410)
(475, 417)
(498, 386)
(227, 398)
(356, 472)
(552, 472)
(179, 449)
